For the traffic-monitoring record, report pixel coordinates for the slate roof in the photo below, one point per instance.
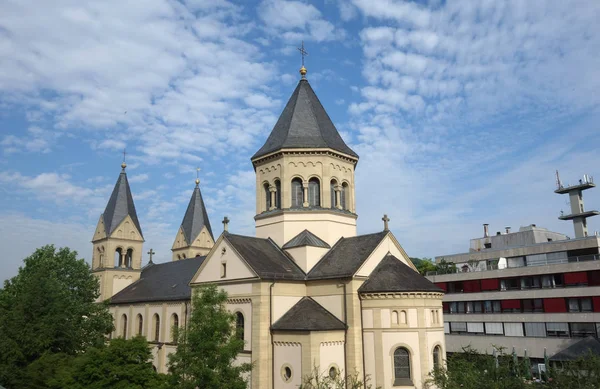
(264, 257)
(304, 123)
(195, 217)
(393, 275)
(119, 206)
(346, 256)
(306, 238)
(161, 282)
(579, 349)
(308, 315)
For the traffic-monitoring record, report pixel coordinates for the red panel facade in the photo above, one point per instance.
(596, 302)
(554, 305)
(578, 277)
(442, 285)
(490, 284)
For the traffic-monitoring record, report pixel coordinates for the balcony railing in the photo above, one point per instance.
(490, 267)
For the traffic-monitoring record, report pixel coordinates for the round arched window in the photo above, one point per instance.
(333, 372)
(286, 373)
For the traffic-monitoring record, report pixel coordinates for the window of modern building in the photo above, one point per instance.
(475, 328)
(492, 306)
(472, 286)
(582, 330)
(314, 192)
(509, 306)
(513, 329)
(402, 367)
(557, 330)
(458, 327)
(537, 330)
(455, 287)
(594, 278)
(297, 193)
(531, 282)
(510, 284)
(533, 305)
(494, 328)
(580, 304)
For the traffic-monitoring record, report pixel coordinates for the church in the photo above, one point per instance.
(307, 291)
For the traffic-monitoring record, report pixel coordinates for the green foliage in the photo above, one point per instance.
(318, 380)
(425, 265)
(208, 347)
(582, 373)
(49, 308)
(443, 267)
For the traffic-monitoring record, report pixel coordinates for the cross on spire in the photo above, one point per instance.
(304, 53)
(386, 220)
(225, 224)
(197, 176)
(151, 253)
(124, 165)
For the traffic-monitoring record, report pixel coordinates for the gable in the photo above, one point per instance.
(223, 252)
(203, 239)
(387, 245)
(127, 230)
(100, 232)
(179, 240)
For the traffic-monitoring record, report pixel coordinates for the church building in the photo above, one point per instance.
(307, 291)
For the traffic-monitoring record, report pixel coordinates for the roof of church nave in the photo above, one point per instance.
(195, 217)
(306, 238)
(393, 275)
(308, 315)
(304, 123)
(120, 205)
(169, 281)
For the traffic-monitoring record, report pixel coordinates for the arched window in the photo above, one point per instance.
(433, 321)
(403, 317)
(174, 327)
(156, 327)
(344, 196)
(402, 367)
(333, 372)
(297, 193)
(277, 194)
(332, 196)
(394, 317)
(124, 324)
(140, 324)
(129, 258)
(239, 325)
(314, 192)
(267, 194)
(183, 256)
(436, 357)
(118, 257)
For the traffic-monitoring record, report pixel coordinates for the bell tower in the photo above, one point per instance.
(117, 241)
(305, 174)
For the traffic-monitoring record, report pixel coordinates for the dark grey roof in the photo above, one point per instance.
(304, 123)
(308, 315)
(161, 282)
(306, 238)
(195, 217)
(578, 350)
(119, 206)
(264, 257)
(346, 256)
(393, 275)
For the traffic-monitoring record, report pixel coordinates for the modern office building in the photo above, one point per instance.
(531, 289)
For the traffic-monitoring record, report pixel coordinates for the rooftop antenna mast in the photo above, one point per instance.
(558, 183)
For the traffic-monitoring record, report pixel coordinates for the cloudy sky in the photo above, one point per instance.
(461, 111)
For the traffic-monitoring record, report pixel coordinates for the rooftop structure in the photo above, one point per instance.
(578, 214)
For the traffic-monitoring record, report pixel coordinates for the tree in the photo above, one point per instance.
(324, 380)
(582, 373)
(208, 347)
(48, 308)
(123, 364)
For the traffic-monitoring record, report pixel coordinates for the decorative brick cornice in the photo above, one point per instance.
(287, 344)
(402, 295)
(333, 343)
(239, 301)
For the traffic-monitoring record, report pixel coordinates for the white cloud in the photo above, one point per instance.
(112, 144)
(37, 140)
(139, 178)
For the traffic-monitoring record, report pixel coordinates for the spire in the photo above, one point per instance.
(195, 217)
(120, 205)
(304, 124)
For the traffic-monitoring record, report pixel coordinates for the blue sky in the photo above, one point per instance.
(460, 111)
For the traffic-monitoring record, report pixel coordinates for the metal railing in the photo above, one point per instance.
(490, 267)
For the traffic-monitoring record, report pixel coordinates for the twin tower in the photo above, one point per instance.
(304, 181)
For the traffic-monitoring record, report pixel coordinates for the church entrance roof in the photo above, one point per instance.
(308, 315)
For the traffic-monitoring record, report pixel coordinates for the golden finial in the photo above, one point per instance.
(124, 165)
(197, 178)
(304, 53)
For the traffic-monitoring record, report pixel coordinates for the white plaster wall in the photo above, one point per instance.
(386, 245)
(435, 338)
(237, 289)
(386, 319)
(120, 283)
(369, 345)
(246, 310)
(413, 318)
(155, 359)
(306, 257)
(393, 340)
(288, 354)
(334, 304)
(210, 270)
(282, 304)
(367, 318)
(331, 353)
